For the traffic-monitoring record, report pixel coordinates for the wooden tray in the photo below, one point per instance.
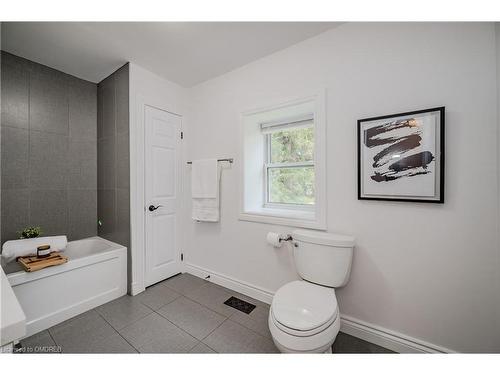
(32, 263)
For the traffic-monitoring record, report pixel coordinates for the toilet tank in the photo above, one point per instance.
(323, 258)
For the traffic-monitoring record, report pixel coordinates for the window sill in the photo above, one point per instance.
(293, 218)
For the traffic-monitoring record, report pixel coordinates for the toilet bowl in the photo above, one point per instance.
(304, 318)
(304, 315)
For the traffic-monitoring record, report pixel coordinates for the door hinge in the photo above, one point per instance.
(182, 135)
(182, 257)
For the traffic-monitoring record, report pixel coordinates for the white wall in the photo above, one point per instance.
(146, 88)
(427, 271)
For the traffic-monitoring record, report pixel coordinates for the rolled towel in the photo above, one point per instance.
(11, 250)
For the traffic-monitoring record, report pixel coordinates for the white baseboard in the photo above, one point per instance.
(231, 283)
(135, 289)
(377, 335)
(386, 338)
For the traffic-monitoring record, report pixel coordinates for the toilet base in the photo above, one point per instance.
(319, 343)
(283, 349)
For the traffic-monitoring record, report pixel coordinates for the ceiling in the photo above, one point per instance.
(183, 52)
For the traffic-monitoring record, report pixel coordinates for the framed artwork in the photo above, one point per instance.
(401, 157)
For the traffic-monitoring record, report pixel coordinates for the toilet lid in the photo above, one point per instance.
(304, 306)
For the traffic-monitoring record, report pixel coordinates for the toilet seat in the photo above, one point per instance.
(302, 333)
(304, 317)
(304, 307)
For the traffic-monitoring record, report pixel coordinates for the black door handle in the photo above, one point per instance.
(153, 208)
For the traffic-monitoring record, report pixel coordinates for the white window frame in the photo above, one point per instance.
(268, 165)
(252, 196)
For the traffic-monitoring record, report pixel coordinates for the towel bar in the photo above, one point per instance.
(230, 160)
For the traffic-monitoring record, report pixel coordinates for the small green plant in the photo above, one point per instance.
(30, 232)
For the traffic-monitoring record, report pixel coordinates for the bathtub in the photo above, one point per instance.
(96, 273)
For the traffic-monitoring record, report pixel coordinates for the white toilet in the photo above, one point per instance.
(304, 315)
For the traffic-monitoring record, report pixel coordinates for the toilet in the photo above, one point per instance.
(304, 316)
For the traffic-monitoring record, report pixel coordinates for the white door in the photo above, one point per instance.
(162, 257)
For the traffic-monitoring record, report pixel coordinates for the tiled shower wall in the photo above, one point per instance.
(48, 150)
(113, 194)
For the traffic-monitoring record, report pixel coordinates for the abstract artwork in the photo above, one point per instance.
(401, 156)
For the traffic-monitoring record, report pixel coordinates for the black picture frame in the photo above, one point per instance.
(439, 159)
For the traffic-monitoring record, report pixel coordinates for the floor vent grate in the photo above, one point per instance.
(240, 305)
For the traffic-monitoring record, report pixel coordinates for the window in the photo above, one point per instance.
(289, 167)
(283, 174)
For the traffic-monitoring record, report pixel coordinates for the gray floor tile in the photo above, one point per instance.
(41, 342)
(261, 310)
(249, 299)
(202, 348)
(231, 337)
(157, 296)
(257, 320)
(195, 319)
(155, 334)
(112, 344)
(348, 344)
(81, 333)
(181, 324)
(213, 297)
(123, 311)
(184, 283)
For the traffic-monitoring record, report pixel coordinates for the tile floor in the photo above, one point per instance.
(183, 314)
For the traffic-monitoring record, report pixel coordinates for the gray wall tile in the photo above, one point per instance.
(106, 163)
(82, 214)
(122, 161)
(123, 216)
(48, 160)
(100, 101)
(122, 99)
(48, 178)
(113, 169)
(106, 211)
(15, 95)
(49, 101)
(50, 152)
(15, 163)
(82, 109)
(82, 158)
(49, 209)
(15, 212)
(107, 107)
(21, 63)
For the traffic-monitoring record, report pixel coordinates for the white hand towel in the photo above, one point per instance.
(205, 182)
(204, 179)
(19, 248)
(206, 209)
